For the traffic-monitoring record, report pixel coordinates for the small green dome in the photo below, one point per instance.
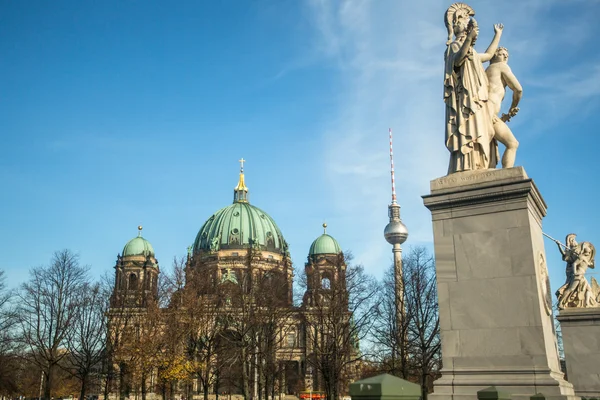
(138, 246)
(324, 244)
(240, 226)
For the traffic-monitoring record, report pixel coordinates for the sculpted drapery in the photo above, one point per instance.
(469, 129)
(469, 126)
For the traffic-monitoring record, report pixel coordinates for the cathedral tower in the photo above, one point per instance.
(136, 274)
(325, 268)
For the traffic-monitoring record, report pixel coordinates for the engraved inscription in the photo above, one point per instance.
(463, 179)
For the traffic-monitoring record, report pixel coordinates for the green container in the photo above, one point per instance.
(384, 387)
(492, 393)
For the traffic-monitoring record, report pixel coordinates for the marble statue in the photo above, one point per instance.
(499, 76)
(469, 122)
(577, 292)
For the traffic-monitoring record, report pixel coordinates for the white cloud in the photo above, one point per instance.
(390, 60)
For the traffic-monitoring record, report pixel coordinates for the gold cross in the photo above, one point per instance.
(242, 163)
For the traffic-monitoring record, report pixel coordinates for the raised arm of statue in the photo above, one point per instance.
(491, 50)
(560, 248)
(473, 31)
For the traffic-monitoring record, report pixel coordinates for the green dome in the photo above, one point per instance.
(240, 226)
(324, 244)
(138, 246)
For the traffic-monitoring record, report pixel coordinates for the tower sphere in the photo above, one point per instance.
(395, 232)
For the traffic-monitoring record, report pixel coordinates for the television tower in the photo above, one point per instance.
(396, 233)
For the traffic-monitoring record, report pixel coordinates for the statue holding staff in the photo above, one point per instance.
(577, 292)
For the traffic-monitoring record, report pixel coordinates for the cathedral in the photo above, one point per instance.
(234, 327)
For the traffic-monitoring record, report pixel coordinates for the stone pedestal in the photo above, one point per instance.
(495, 307)
(581, 341)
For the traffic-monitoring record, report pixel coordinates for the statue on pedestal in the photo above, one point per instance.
(499, 76)
(473, 95)
(577, 292)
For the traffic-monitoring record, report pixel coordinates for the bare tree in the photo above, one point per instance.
(86, 342)
(203, 317)
(48, 305)
(274, 319)
(8, 372)
(410, 348)
(342, 315)
(420, 291)
(390, 334)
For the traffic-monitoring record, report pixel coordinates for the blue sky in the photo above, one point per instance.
(115, 114)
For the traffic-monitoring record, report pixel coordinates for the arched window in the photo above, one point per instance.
(325, 283)
(132, 282)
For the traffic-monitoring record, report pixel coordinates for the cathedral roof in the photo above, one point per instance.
(240, 226)
(324, 244)
(138, 246)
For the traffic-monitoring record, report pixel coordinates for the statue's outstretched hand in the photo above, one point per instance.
(498, 28)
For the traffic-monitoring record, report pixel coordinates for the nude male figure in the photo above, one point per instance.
(499, 76)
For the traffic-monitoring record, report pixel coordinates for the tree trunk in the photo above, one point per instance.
(48, 382)
(424, 387)
(108, 382)
(83, 387)
(144, 386)
(245, 373)
(122, 382)
(261, 384)
(217, 386)
(205, 386)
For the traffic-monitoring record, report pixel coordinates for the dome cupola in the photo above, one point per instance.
(138, 246)
(324, 244)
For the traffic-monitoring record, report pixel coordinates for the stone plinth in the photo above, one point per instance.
(495, 317)
(581, 341)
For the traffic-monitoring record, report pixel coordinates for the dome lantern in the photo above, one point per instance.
(240, 192)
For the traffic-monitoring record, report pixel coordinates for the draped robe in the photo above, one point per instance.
(469, 126)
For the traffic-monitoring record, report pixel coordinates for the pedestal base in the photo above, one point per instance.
(581, 340)
(495, 310)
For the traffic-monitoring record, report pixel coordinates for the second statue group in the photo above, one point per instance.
(473, 96)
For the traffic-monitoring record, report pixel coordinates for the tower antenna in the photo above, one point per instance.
(392, 168)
